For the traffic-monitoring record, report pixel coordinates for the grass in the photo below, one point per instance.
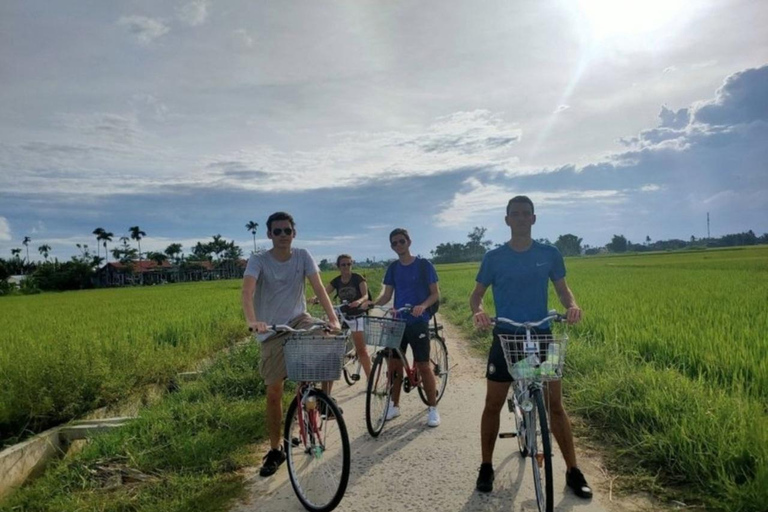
(63, 354)
(670, 364)
(181, 454)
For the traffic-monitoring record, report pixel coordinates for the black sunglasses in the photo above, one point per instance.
(345, 264)
(402, 241)
(280, 231)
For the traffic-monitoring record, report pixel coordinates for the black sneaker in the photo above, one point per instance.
(272, 461)
(576, 481)
(485, 478)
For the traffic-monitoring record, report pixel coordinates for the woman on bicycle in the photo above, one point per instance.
(353, 289)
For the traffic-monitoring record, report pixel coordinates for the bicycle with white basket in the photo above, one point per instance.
(386, 333)
(316, 441)
(533, 359)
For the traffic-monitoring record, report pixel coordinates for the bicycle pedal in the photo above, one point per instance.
(507, 435)
(355, 378)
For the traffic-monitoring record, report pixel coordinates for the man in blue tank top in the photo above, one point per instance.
(519, 272)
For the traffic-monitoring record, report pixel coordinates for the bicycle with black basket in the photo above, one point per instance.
(316, 441)
(533, 359)
(386, 333)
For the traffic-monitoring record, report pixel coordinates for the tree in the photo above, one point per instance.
(217, 246)
(325, 265)
(137, 234)
(544, 241)
(157, 257)
(44, 250)
(202, 252)
(233, 252)
(618, 244)
(477, 247)
(251, 226)
(98, 232)
(26, 242)
(173, 251)
(647, 239)
(569, 245)
(105, 237)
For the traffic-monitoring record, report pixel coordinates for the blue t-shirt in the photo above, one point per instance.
(410, 286)
(520, 280)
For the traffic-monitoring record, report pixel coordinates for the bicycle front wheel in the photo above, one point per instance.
(318, 453)
(438, 364)
(541, 454)
(378, 394)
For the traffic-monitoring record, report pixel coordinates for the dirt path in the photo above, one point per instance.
(426, 469)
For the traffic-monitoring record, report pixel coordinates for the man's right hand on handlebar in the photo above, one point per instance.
(482, 320)
(259, 327)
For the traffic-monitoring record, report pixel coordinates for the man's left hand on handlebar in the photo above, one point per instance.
(418, 310)
(573, 315)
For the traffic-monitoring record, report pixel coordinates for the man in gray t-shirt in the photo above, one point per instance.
(273, 293)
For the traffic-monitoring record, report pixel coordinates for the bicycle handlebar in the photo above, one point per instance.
(552, 315)
(275, 328)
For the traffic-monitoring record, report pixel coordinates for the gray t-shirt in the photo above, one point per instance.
(279, 296)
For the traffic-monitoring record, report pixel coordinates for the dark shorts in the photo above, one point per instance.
(417, 336)
(497, 370)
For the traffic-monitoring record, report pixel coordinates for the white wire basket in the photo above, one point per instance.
(384, 332)
(314, 358)
(540, 359)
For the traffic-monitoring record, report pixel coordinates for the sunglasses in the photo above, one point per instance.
(345, 264)
(395, 243)
(280, 231)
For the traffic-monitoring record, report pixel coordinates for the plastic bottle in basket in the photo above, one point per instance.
(549, 368)
(527, 368)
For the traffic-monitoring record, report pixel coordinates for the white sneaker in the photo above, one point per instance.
(433, 417)
(393, 412)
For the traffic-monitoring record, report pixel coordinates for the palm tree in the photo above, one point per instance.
(251, 226)
(218, 246)
(44, 249)
(98, 232)
(173, 251)
(137, 234)
(16, 253)
(26, 244)
(105, 237)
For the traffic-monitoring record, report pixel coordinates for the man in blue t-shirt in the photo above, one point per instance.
(413, 281)
(519, 272)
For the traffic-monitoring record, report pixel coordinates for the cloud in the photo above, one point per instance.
(5, 230)
(650, 188)
(743, 98)
(478, 199)
(194, 13)
(561, 108)
(243, 37)
(144, 29)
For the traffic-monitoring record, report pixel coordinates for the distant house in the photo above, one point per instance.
(149, 272)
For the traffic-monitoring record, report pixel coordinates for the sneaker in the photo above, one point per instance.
(576, 481)
(272, 461)
(433, 417)
(324, 414)
(485, 478)
(393, 412)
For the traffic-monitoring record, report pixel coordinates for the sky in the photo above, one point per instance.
(191, 118)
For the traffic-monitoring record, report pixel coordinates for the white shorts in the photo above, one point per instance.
(355, 324)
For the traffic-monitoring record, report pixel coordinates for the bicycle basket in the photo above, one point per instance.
(540, 360)
(384, 332)
(314, 358)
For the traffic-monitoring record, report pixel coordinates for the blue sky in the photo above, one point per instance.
(190, 118)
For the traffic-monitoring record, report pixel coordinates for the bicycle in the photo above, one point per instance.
(352, 363)
(317, 454)
(533, 360)
(386, 333)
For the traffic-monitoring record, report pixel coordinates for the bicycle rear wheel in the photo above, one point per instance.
(541, 454)
(438, 363)
(520, 425)
(378, 394)
(318, 453)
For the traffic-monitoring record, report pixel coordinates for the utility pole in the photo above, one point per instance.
(708, 225)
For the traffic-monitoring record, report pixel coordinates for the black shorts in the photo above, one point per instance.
(497, 370)
(417, 336)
